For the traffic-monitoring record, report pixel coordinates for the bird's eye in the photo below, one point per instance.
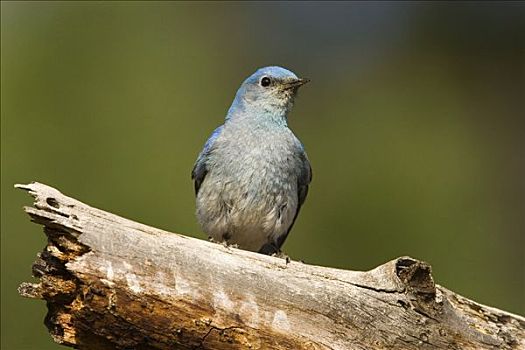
(265, 81)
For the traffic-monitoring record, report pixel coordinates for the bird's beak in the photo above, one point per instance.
(300, 82)
(295, 83)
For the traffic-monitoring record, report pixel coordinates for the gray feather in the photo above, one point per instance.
(252, 176)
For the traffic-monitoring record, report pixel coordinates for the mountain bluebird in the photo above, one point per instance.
(252, 176)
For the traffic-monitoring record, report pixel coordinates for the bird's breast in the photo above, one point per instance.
(250, 190)
(267, 155)
(256, 163)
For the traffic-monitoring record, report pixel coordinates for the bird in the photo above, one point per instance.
(252, 176)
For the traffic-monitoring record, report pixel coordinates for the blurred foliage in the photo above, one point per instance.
(413, 122)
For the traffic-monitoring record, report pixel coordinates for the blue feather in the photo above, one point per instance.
(199, 169)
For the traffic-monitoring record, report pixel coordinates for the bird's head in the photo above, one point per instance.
(269, 90)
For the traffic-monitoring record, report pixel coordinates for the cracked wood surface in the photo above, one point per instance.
(110, 282)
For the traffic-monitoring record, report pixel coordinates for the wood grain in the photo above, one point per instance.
(110, 282)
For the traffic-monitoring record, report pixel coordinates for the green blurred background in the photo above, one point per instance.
(413, 122)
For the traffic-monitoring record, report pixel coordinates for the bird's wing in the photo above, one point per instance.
(303, 181)
(199, 169)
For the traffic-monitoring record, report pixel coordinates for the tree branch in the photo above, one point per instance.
(113, 283)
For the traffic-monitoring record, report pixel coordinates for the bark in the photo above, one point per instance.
(112, 283)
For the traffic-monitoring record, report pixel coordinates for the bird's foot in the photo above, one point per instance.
(228, 245)
(223, 243)
(280, 254)
(272, 250)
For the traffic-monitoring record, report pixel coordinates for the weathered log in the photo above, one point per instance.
(113, 283)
